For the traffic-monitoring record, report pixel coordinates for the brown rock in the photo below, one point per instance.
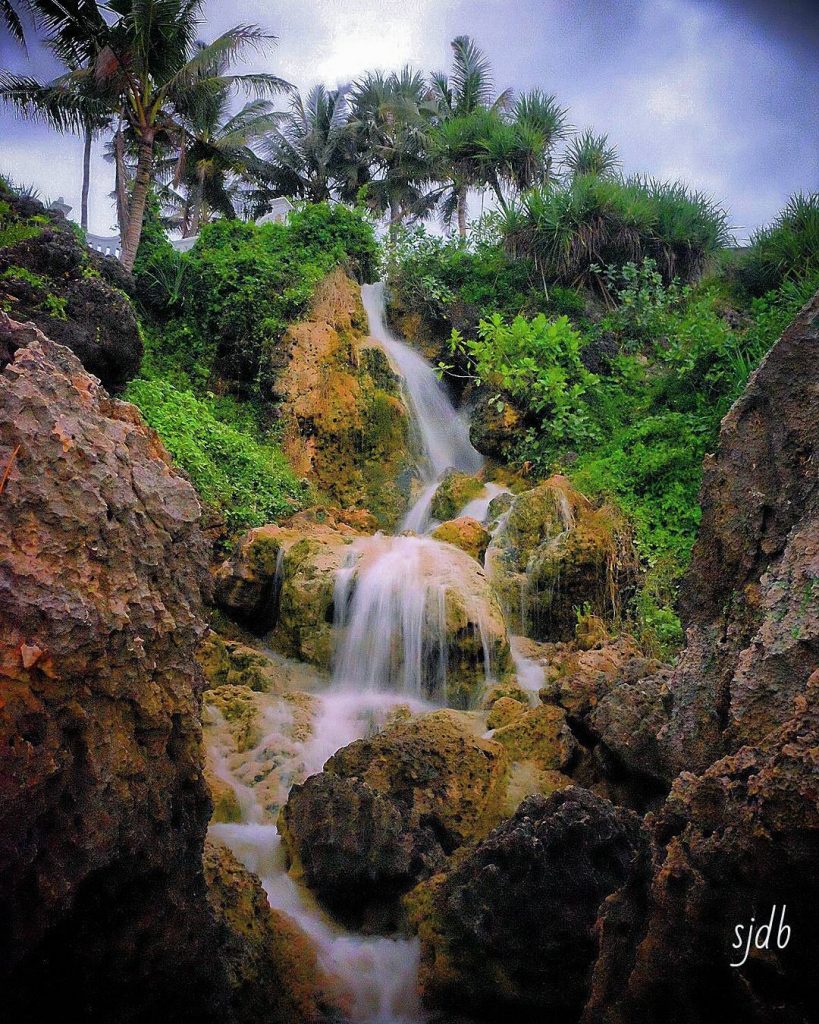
(103, 807)
(464, 533)
(272, 968)
(733, 843)
(540, 735)
(507, 933)
(505, 710)
(388, 811)
(750, 600)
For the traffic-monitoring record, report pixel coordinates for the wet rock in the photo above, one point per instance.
(750, 600)
(103, 807)
(388, 811)
(282, 579)
(226, 806)
(540, 735)
(508, 688)
(345, 425)
(229, 663)
(733, 842)
(494, 431)
(273, 971)
(555, 552)
(508, 932)
(454, 492)
(464, 533)
(49, 277)
(504, 711)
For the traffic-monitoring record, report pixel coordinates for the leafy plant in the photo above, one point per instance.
(247, 481)
(787, 250)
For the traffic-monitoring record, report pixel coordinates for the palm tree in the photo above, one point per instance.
(462, 100)
(140, 58)
(308, 147)
(13, 15)
(391, 120)
(591, 154)
(216, 151)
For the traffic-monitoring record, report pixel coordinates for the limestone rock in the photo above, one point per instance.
(464, 533)
(272, 966)
(103, 807)
(555, 552)
(71, 293)
(540, 735)
(495, 432)
(388, 811)
(750, 600)
(508, 932)
(504, 711)
(454, 492)
(345, 425)
(230, 663)
(733, 843)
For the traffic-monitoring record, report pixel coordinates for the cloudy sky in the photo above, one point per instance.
(721, 93)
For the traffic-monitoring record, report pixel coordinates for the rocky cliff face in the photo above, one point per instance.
(345, 425)
(104, 914)
(751, 597)
(738, 837)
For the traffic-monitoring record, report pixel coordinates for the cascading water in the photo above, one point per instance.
(390, 611)
(443, 433)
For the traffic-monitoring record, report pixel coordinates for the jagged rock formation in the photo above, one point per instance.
(75, 296)
(388, 811)
(104, 908)
(345, 424)
(555, 552)
(508, 932)
(741, 836)
(102, 804)
(750, 601)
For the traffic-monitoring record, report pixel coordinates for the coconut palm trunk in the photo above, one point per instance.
(462, 212)
(86, 175)
(142, 184)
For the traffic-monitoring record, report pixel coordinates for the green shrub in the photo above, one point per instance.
(536, 363)
(787, 250)
(568, 229)
(248, 482)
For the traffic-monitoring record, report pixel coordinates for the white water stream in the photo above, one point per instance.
(389, 607)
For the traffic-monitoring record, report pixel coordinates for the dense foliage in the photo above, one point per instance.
(668, 361)
(247, 481)
(569, 229)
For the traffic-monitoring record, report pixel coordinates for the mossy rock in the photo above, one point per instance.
(238, 707)
(454, 492)
(540, 735)
(504, 711)
(465, 533)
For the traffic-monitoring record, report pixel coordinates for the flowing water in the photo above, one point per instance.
(442, 432)
(390, 625)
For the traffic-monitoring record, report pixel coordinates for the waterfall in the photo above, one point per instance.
(443, 433)
(390, 618)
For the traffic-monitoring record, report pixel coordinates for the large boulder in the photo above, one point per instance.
(103, 807)
(554, 552)
(465, 533)
(280, 580)
(454, 492)
(345, 424)
(750, 600)
(388, 811)
(76, 297)
(507, 933)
